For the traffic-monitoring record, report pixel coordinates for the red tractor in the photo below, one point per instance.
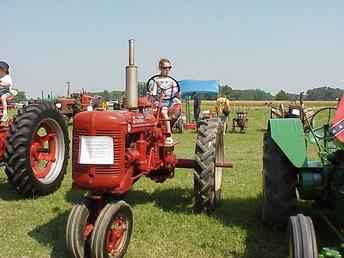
(74, 104)
(112, 150)
(34, 148)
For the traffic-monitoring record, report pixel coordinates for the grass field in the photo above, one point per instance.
(164, 224)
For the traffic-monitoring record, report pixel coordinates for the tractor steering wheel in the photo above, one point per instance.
(322, 118)
(173, 94)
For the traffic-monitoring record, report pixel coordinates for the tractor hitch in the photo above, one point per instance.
(191, 163)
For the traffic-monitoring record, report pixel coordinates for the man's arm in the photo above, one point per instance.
(6, 81)
(175, 90)
(4, 84)
(227, 103)
(152, 88)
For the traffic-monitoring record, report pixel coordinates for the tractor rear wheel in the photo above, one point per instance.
(301, 237)
(112, 231)
(279, 185)
(207, 177)
(78, 231)
(37, 150)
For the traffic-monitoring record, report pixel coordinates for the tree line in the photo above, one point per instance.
(322, 93)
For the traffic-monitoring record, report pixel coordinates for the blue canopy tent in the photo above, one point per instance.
(188, 87)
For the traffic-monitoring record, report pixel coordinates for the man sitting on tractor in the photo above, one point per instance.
(164, 92)
(5, 88)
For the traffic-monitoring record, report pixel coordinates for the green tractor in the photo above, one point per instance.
(307, 167)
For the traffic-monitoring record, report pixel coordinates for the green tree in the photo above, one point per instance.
(21, 96)
(142, 89)
(226, 90)
(324, 93)
(281, 95)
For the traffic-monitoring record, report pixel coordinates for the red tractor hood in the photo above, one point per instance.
(101, 121)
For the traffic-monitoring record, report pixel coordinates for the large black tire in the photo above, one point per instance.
(77, 244)
(105, 223)
(24, 128)
(301, 237)
(207, 177)
(279, 185)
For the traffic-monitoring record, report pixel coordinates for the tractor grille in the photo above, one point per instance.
(97, 169)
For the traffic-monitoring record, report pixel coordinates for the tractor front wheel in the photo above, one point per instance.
(207, 177)
(37, 150)
(301, 237)
(78, 231)
(279, 185)
(112, 231)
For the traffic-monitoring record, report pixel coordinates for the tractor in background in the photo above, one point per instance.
(112, 150)
(307, 166)
(240, 121)
(296, 110)
(34, 149)
(74, 103)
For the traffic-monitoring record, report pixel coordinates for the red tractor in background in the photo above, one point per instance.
(73, 104)
(34, 148)
(112, 150)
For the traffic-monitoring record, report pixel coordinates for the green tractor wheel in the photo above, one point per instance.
(301, 237)
(279, 185)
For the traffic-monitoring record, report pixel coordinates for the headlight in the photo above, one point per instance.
(96, 150)
(58, 105)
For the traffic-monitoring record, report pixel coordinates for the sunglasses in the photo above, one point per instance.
(166, 68)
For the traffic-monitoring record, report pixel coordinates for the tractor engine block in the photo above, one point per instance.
(99, 176)
(111, 154)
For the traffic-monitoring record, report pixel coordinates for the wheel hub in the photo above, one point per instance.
(116, 235)
(43, 151)
(47, 150)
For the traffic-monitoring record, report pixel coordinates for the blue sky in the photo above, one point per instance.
(272, 45)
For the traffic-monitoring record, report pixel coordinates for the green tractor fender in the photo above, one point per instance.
(289, 136)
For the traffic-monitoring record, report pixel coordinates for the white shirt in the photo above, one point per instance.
(6, 81)
(164, 86)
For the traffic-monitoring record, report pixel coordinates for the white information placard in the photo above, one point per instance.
(96, 150)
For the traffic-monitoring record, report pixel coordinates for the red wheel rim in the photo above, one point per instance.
(43, 150)
(88, 228)
(116, 235)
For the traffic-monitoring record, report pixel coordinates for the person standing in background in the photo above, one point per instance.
(196, 105)
(222, 109)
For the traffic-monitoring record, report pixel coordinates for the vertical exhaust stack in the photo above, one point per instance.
(131, 79)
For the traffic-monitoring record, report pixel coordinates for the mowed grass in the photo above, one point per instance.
(164, 225)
